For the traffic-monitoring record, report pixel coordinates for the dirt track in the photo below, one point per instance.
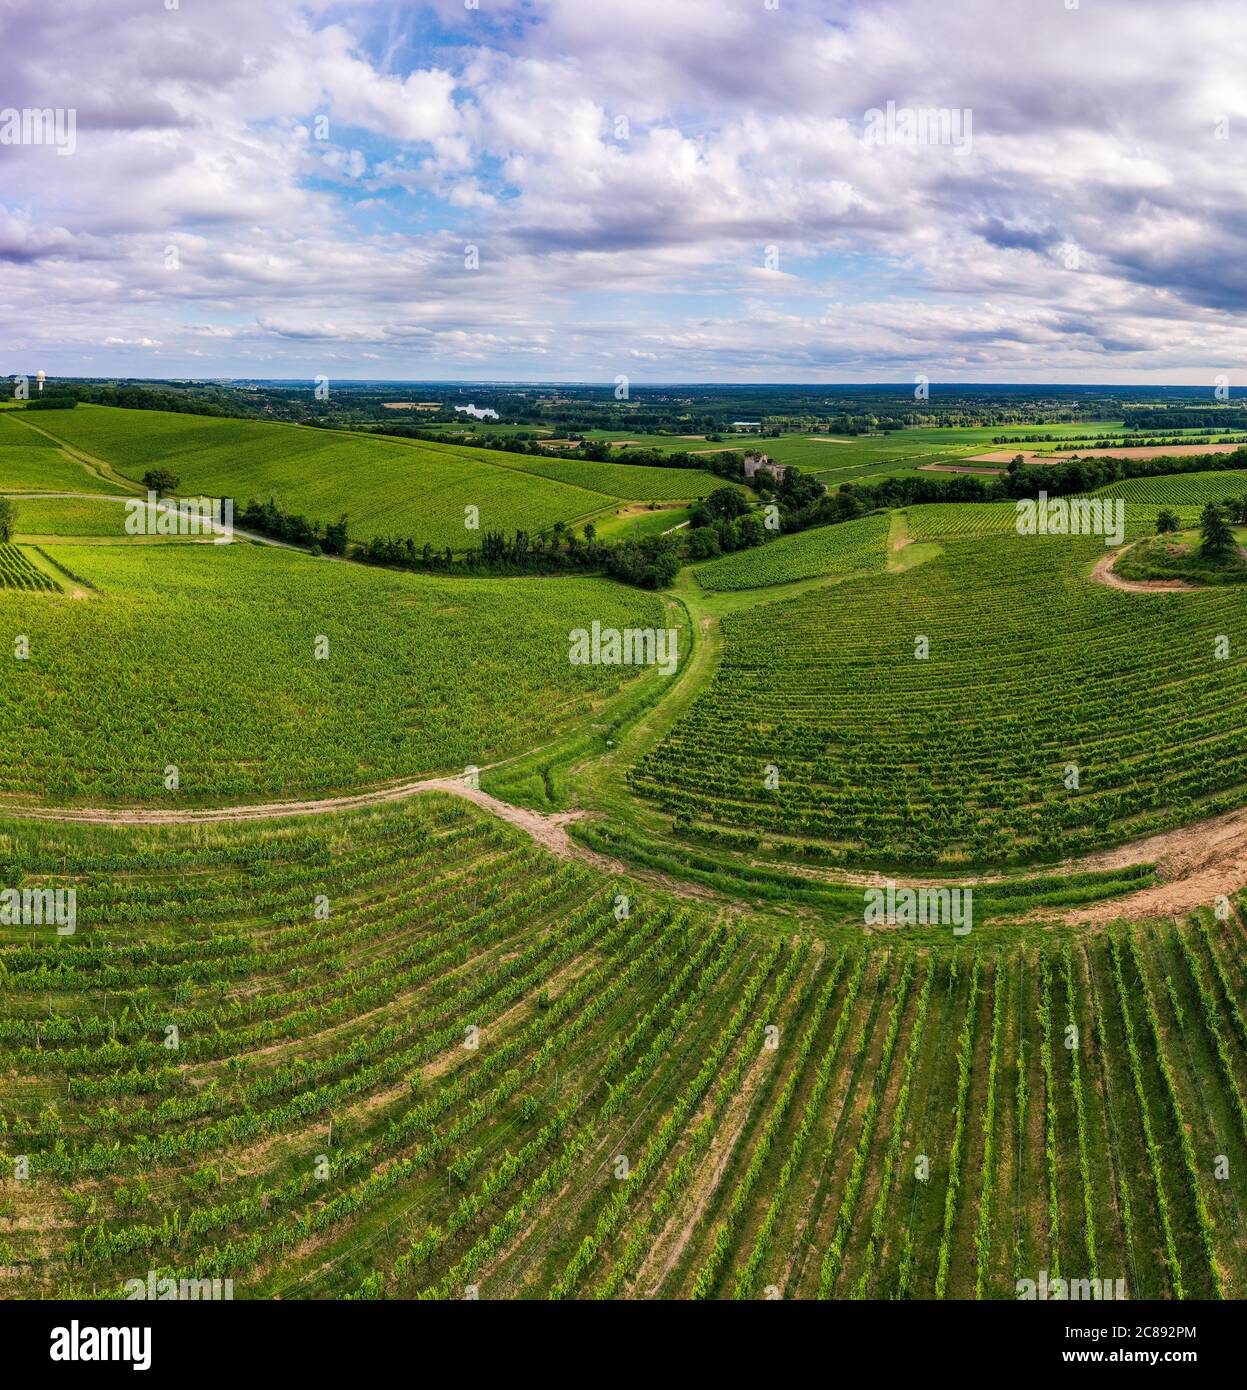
(1196, 863)
(1104, 574)
(548, 830)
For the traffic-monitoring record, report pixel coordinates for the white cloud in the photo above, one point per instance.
(643, 240)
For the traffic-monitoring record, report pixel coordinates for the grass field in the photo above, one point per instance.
(101, 517)
(635, 521)
(593, 1108)
(203, 657)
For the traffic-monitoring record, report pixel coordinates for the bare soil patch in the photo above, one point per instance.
(1134, 451)
(1103, 573)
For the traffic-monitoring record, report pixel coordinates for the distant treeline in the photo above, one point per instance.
(1022, 480)
(68, 394)
(1177, 417)
(722, 465)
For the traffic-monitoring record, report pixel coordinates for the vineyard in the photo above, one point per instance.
(1179, 489)
(616, 480)
(385, 486)
(31, 462)
(104, 517)
(956, 520)
(406, 1054)
(990, 705)
(854, 546)
(18, 572)
(205, 658)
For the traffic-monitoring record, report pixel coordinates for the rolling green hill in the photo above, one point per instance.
(385, 486)
(31, 462)
(963, 755)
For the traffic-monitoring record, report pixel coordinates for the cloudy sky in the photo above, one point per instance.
(676, 190)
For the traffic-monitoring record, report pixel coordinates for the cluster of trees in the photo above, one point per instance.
(218, 401)
(651, 563)
(1214, 523)
(8, 520)
(271, 520)
(722, 523)
(1216, 538)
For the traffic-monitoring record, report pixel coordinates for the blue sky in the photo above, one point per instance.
(672, 191)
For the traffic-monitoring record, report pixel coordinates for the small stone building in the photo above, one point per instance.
(753, 462)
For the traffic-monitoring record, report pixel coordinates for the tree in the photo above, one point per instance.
(8, 520)
(1166, 522)
(161, 481)
(335, 537)
(726, 503)
(703, 542)
(1217, 538)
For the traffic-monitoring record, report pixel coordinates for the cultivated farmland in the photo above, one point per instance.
(619, 1025)
(204, 658)
(1033, 677)
(385, 486)
(593, 1109)
(857, 545)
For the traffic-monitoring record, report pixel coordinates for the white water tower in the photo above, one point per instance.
(41, 377)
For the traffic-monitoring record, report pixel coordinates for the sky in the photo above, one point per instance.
(669, 190)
